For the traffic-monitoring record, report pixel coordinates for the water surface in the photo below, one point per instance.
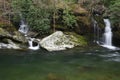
(91, 63)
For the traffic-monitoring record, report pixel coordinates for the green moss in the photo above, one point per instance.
(78, 39)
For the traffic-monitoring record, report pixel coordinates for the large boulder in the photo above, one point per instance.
(59, 41)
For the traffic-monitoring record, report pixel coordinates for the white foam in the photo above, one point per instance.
(110, 47)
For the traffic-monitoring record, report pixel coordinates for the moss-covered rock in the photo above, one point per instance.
(60, 41)
(77, 9)
(14, 35)
(78, 39)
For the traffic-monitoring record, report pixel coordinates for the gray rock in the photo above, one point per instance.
(14, 35)
(57, 41)
(10, 45)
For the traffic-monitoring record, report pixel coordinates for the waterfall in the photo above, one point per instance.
(96, 32)
(31, 44)
(108, 35)
(24, 30)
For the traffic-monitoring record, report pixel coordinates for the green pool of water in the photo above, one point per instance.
(75, 64)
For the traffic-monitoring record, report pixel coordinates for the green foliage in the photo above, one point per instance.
(114, 10)
(69, 19)
(71, 1)
(108, 2)
(35, 12)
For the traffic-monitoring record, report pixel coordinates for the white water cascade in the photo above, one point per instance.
(24, 30)
(108, 36)
(31, 44)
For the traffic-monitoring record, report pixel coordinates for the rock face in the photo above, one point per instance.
(82, 18)
(10, 37)
(15, 35)
(9, 45)
(116, 36)
(58, 41)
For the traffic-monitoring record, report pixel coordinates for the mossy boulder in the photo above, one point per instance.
(60, 41)
(78, 39)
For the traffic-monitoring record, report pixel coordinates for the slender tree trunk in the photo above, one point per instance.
(54, 14)
(54, 22)
(4, 5)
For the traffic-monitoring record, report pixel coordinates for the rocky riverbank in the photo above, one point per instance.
(54, 42)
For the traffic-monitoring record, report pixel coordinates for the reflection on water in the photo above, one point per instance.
(91, 63)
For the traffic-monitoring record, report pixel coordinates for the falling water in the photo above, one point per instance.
(96, 32)
(108, 35)
(24, 30)
(31, 44)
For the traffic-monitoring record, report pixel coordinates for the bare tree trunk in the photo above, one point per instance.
(54, 14)
(54, 22)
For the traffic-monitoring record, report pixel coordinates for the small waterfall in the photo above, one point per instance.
(24, 30)
(96, 32)
(108, 35)
(31, 44)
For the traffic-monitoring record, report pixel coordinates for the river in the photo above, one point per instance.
(89, 63)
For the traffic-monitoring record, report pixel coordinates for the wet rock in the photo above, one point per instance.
(12, 33)
(9, 45)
